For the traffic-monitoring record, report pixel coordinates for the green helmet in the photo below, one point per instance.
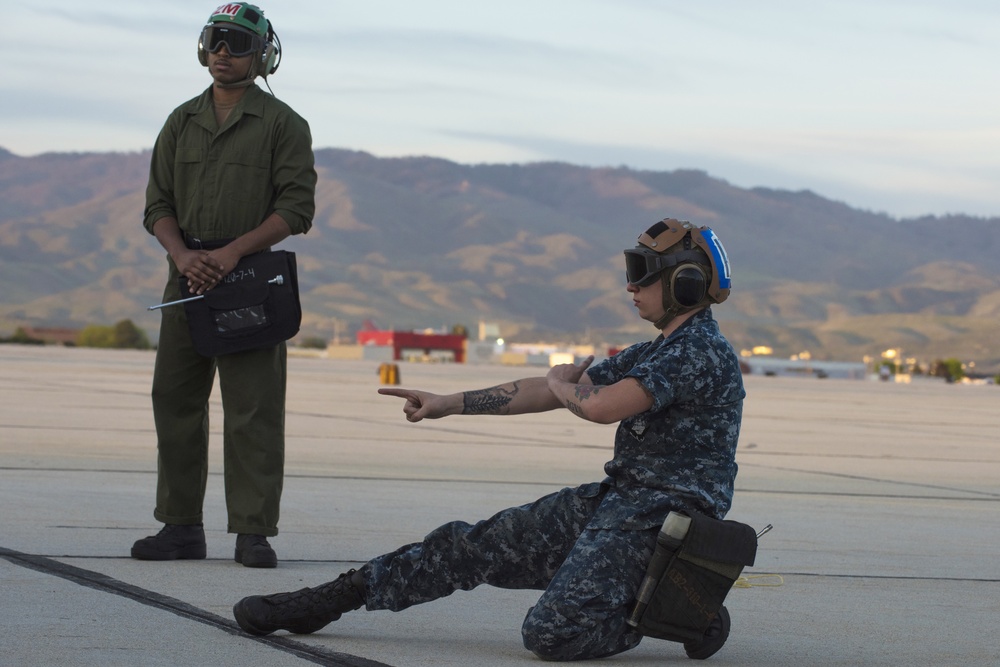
(244, 30)
(242, 14)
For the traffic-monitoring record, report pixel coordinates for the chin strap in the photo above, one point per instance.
(669, 315)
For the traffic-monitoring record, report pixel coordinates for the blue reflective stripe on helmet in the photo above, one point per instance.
(721, 259)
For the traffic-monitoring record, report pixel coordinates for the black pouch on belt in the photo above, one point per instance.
(694, 576)
(255, 306)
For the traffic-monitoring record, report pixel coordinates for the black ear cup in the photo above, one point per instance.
(689, 285)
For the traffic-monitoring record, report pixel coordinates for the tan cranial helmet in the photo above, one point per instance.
(691, 262)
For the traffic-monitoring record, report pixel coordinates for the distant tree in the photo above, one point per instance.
(127, 335)
(313, 343)
(123, 335)
(95, 335)
(949, 369)
(460, 330)
(885, 363)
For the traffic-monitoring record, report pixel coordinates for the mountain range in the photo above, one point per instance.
(422, 242)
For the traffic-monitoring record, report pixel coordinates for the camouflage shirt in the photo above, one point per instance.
(682, 451)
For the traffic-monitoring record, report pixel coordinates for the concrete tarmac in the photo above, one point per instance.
(885, 502)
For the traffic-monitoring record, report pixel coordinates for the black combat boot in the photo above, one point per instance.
(254, 551)
(173, 542)
(301, 612)
(715, 636)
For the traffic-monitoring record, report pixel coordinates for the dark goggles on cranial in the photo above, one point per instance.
(643, 266)
(238, 42)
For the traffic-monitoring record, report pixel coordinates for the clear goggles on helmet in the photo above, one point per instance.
(238, 42)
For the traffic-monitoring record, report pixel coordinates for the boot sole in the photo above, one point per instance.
(269, 560)
(241, 619)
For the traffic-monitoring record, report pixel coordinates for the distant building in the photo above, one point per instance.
(488, 331)
(848, 370)
(408, 344)
(52, 335)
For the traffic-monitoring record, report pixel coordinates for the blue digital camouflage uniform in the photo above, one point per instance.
(588, 547)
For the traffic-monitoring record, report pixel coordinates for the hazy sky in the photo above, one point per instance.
(886, 105)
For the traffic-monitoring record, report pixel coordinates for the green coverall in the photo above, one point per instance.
(219, 183)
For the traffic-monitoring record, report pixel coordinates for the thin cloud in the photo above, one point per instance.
(848, 98)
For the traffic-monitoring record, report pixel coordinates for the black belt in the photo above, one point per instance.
(197, 244)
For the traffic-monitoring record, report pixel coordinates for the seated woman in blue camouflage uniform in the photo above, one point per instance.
(678, 400)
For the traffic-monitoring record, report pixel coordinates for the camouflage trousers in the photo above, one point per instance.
(589, 576)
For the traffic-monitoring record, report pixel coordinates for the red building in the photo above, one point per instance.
(411, 340)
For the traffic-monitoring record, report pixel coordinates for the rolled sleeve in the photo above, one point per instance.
(160, 188)
(294, 175)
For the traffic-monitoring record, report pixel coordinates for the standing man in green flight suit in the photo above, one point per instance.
(231, 174)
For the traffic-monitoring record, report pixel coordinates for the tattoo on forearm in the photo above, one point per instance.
(492, 401)
(582, 392)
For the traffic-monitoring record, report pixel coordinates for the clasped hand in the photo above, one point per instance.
(204, 269)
